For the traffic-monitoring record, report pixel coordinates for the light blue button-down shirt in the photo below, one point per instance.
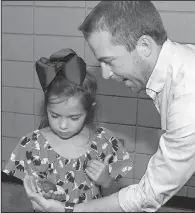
(172, 88)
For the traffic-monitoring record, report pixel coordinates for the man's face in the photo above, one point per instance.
(116, 62)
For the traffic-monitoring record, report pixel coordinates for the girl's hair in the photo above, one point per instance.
(61, 89)
(126, 21)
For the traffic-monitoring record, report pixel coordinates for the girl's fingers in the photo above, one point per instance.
(33, 184)
(62, 197)
(96, 166)
(58, 197)
(36, 206)
(58, 193)
(98, 163)
(60, 189)
(90, 174)
(27, 185)
(53, 196)
(92, 170)
(36, 197)
(47, 196)
(42, 193)
(39, 188)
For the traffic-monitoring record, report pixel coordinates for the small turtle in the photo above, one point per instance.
(47, 185)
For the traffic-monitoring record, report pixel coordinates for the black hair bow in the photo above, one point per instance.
(66, 61)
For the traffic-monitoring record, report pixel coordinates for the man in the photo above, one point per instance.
(131, 44)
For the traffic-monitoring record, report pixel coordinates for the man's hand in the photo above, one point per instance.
(99, 172)
(38, 201)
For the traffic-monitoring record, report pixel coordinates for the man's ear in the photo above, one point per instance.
(144, 46)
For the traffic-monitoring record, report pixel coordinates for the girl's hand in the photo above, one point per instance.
(99, 171)
(50, 191)
(30, 185)
(38, 201)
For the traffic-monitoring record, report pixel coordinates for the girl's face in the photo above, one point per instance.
(67, 118)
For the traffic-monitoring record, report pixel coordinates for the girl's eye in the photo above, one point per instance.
(54, 116)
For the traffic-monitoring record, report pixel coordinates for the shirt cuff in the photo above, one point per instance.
(125, 197)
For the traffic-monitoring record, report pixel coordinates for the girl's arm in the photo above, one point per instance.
(105, 204)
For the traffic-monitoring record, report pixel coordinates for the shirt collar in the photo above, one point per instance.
(158, 77)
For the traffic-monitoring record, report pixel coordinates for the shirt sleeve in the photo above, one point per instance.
(171, 166)
(120, 164)
(17, 164)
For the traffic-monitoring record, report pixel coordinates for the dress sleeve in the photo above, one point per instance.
(17, 164)
(120, 164)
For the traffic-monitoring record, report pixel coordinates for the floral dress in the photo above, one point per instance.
(35, 155)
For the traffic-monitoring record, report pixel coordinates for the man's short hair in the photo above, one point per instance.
(126, 21)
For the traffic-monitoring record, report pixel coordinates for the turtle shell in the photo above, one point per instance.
(47, 185)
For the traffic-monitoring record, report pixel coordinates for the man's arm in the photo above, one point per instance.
(171, 166)
(168, 169)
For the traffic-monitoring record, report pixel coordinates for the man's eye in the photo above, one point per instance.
(75, 119)
(108, 62)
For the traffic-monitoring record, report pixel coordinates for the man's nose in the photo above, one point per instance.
(106, 71)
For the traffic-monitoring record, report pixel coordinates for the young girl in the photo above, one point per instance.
(68, 149)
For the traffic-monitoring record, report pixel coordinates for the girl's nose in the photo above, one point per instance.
(106, 71)
(63, 124)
